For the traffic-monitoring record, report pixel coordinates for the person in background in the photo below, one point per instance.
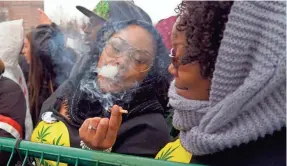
(108, 10)
(50, 62)
(12, 111)
(11, 38)
(230, 106)
(164, 27)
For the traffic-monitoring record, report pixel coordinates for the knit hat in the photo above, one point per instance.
(248, 91)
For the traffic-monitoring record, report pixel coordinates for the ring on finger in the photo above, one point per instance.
(90, 127)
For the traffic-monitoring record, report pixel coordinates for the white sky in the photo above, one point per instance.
(157, 9)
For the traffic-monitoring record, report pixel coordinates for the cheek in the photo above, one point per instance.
(29, 54)
(172, 70)
(133, 77)
(189, 74)
(100, 63)
(102, 59)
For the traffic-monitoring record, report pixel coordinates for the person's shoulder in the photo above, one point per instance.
(10, 85)
(12, 101)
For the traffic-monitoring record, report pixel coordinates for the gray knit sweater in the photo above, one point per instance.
(248, 92)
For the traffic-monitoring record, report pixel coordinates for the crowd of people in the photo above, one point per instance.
(217, 69)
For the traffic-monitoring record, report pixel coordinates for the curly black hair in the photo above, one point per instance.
(203, 23)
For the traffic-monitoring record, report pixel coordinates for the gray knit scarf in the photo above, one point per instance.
(248, 92)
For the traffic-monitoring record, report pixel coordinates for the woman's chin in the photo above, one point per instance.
(109, 90)
(27, 60)
(180, 90)
(183, 92)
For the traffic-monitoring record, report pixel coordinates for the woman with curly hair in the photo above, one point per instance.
(195, 39)
(229, 88)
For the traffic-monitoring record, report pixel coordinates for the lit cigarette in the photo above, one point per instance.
(123, 111)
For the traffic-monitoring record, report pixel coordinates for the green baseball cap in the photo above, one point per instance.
(101, 11)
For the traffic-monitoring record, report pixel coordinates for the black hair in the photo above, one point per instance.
(203, 23)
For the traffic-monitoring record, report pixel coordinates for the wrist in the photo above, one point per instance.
(84, 146)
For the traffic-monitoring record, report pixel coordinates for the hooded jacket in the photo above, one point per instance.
(12, 37)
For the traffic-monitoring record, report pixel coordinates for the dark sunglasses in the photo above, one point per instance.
(174, 60)
(177, 61)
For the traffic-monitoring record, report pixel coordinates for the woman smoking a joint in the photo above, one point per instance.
(126, 70)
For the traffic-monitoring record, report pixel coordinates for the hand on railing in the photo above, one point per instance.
(101, 133)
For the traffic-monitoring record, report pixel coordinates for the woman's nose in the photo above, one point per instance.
(172, 70)
(122, 62)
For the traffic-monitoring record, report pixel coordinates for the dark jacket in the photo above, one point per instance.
(48, 43)
(142, 133)
(12, 111)
(267, 151)
(57, 59)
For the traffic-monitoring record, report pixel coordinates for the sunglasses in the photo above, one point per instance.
(177, 61)
(141, 60)
(174, 60)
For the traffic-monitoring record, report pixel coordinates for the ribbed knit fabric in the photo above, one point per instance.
(248, 92)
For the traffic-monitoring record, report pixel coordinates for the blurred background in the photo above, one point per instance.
(64, 13)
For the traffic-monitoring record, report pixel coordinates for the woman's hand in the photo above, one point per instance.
(44, 19)
(101, 133)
